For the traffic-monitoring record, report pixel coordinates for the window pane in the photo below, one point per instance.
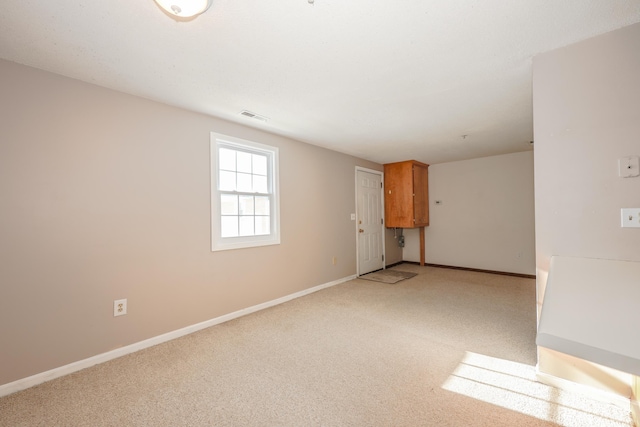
(227, 159)
(227, 181)
(259, 164)
(262, 205)
(246, 226)
(262, 225)
(260, 184)
(244, 182)
(229, 226)
(245, 195)
(229, 204)
(246, 205)
(244, 162)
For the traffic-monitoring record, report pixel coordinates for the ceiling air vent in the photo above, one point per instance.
(253, 115)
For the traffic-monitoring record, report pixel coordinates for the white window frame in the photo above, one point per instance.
(219, 243)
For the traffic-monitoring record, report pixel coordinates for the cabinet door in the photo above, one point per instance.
(421, 195)
(398, 203)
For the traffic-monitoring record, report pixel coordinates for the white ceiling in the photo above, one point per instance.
(382, 80)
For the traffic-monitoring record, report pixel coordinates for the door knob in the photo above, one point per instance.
(361, 230)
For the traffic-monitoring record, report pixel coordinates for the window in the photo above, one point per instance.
(244, 194)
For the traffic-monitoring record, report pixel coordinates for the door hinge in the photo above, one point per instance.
(383, 257)
(381, 185)
(381, 221)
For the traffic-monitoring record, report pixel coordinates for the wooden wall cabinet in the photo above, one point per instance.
(406, 194)
(406, 197)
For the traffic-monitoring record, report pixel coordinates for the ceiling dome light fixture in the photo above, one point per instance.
(184, 8)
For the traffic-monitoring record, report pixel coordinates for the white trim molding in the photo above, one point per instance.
(635, 400)
(24, 383)
(585, 390)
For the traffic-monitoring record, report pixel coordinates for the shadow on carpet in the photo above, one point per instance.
(388, 276)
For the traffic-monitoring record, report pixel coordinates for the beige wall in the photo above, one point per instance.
(106, 196)
(486, 219)
(393, 251)
(586, 116)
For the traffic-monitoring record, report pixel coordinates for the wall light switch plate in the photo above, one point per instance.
(630, 217)
(629, 167)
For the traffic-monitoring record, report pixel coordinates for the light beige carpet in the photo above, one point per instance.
(388, 276)
(446, 348)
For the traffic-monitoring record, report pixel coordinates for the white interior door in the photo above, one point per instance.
(369, 221)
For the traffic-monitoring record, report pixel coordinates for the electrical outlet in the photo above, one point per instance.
(629, 167)
(630, 217)
(334, 260)
(119, 307)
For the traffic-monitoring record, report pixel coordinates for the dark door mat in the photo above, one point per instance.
(388, 276)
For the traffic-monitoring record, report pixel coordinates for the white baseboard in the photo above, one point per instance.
(42, 377)
(588, 391)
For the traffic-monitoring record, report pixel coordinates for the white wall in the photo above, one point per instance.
(486, 219)
(586, 116)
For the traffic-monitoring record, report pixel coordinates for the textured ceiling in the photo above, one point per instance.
(382, 80)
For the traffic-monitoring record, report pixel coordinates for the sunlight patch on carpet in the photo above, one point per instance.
(513, 386)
